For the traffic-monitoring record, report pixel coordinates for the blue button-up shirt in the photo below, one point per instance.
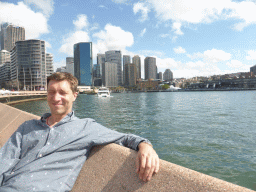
(40, 158)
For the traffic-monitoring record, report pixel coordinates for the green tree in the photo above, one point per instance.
(165, 86)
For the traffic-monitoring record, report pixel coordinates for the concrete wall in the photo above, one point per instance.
(112, 167)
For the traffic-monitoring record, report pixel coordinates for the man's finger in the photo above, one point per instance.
(152, 169)
(142, 165)
(147, 169)
(137, 164)
(157, 165)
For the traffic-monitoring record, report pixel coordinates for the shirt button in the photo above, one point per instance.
(48, 143)
(40, 155)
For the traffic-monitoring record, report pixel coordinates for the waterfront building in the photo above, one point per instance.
(100, 61)
(109, 74)
(61, 69)
(4, 56)
(253, 70)
(70, 65)
(5, 75)
(28, 64)
(9, 35)
(130, 74)
(168, 75)
(49, 64)
(126, 60)
(150, 68)
(149, 84)
(136, 60)
(115, 57)
(83, 65)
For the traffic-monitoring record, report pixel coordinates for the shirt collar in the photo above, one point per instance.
(67, 118)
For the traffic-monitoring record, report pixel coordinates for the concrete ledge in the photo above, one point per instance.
(112, 167)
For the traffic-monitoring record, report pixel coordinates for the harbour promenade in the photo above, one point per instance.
(14, 97)
(112, 167)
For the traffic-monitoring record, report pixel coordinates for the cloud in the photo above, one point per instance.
(81, 22)
(186, 12)
(35, 23)
(103, 6)
(179, 50)
(141, 7)
(45, 6)
(251, 55)
(151, 53)
(120, 1)
(112, 38)
(71, 39)
(213, 56)
(143, 32)
(176, 28)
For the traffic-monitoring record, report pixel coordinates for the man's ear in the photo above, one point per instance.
(75, 95)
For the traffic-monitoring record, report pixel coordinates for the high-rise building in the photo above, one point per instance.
(136, 60)
(160, 76)
(126, 60)
(115, 57)
(9, 35)
(5, 75)
(4, 56)
(61, 69)
(130, 74)
(109, 74)
(168, 75)
(70, 65)
(28, 64)
(253, 69)
(150, 68)
(49, 64)
(83, 65)
(100, 61)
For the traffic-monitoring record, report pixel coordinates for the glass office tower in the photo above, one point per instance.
(83, 67)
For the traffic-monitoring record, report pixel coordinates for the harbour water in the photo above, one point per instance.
(210, 132)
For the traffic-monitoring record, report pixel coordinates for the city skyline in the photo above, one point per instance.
(202, 38)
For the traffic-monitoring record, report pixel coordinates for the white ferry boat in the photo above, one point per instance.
(103, 92)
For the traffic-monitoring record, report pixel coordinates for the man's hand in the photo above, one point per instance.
(147, 161)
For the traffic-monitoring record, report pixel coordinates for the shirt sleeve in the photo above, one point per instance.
(104, 136)
(10, 153)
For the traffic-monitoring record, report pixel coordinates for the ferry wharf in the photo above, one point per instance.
(22, 96)
(112, 167)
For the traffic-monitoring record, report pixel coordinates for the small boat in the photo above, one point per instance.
(103, 92)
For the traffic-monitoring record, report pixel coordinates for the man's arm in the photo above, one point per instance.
(10, 153)
(147, 161)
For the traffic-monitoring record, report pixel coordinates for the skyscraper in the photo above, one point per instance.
(130, 74)
(70, 65)
(168, 75)
(150, 67)
(136, 60)
(126, 60)
(83, 65)
(49, 64)
(9, 35)
(115, 57)
(4, 56)
(109, 74)
(28, 63)
(100, 61)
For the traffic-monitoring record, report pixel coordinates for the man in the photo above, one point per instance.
(48, 154)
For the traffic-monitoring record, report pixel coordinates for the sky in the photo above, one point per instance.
(191, 38)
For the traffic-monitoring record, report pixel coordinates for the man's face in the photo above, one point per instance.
(60, 97)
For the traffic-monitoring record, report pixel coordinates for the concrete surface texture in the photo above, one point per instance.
(112, 167)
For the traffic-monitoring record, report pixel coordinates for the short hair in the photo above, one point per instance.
(61, 76)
